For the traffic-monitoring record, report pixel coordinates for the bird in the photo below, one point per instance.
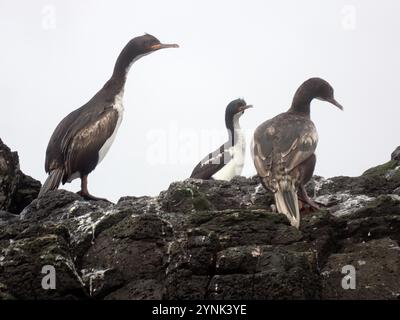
(83, 138)
(283, 149)
(228, 160)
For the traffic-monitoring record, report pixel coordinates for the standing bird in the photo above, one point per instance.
(82, 138)
(283, 149)
(228, 160)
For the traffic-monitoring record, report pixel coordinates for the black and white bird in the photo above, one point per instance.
(82, 139)
(283, 149)
(228, 160)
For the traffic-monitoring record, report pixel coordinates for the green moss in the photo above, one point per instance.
(381, 169)
(251, 215)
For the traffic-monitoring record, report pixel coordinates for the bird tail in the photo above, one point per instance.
(287, 202)
(52, 182)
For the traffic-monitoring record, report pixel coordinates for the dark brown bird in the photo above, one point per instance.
(83, 137)
(283, 149)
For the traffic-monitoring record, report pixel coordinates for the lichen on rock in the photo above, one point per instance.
(207, 240)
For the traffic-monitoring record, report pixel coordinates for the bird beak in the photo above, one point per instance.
(246, 107)
(163, 46)
(335, 103)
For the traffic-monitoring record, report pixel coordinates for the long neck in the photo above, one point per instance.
(301, 103)
(122, 66)
(234, 130)
(301, 106)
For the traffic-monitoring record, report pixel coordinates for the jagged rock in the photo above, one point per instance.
(208, 240)
(6, 217)
(396, 154)
(205, 195)
(17, 190)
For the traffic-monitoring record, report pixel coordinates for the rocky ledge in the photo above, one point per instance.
(17, 190)
(209, 240)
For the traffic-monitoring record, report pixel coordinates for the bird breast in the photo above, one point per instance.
(118, 105)
(235, 166)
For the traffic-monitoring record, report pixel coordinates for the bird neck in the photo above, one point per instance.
(301, 104)
(234, 129)
(303, 109)
(121, 69)
(302, 100)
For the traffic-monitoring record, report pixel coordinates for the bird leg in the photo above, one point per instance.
(84, 193)
(305, 199)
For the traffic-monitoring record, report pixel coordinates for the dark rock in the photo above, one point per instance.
(17, 190)
(4, 294)
(127, 248)
(396, 154)
(22, 262)
(201, 195)
(264, 272)
(6, 218)
(377, 267)
(208, 240)
(147, 289)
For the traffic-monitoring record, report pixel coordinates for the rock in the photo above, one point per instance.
(138, 290)
(376, 264)
(6, 218)
(22, 260)
(4, 295)
(17, 190)
(396, 155)
(275, 274)
(201, 195)
(208, 240)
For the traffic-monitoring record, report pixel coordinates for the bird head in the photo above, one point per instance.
(234, 111)
(236, 108)
(135, 49)
(148, 43)
(315, 88)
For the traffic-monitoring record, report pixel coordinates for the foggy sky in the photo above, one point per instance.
(55, 55)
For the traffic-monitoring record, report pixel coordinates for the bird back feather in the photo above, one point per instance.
(287, 202)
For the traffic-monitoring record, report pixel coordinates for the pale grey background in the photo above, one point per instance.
(56, 54)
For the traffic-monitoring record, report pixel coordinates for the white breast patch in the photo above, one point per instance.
(235, 166)
(120, 108)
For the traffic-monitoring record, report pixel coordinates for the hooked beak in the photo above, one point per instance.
(335, 103)
(163, 46)
(246, 107)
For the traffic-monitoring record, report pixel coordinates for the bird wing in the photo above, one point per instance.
(54, 152)
(282, 143)
(300, 142)
(69, 127)
(81, 147)
(262, 149)
(212, 163)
